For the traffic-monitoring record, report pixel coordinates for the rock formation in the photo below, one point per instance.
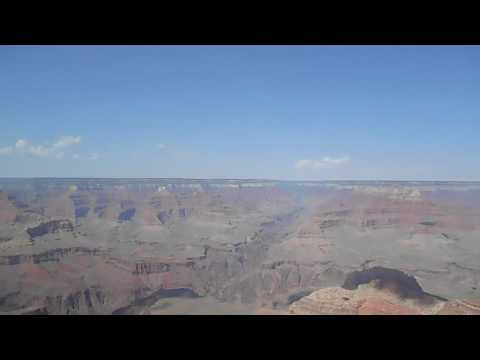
(99, 245)
(379, 291)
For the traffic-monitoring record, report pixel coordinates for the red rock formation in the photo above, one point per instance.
(8, 212)
(459, 307)
(380, 306)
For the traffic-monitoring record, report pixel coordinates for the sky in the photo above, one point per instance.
(267, 112)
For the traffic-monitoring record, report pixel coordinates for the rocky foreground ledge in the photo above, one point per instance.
(380, 291)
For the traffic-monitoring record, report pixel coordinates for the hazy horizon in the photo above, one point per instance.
(238, 179)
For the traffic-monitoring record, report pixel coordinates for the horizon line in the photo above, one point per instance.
(226, 179)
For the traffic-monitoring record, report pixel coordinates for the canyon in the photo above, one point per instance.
(192, 246)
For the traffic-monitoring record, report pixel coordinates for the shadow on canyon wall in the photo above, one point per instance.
(405, 286)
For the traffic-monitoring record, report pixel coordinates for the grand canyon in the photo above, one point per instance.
(192, 246)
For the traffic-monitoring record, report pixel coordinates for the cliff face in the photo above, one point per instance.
(50, 227)
(88, 301)
(365, 292)
(88, 246)
(379, 291)
(461, 307)
(403, 285)
(8, 211)
(54, 255)
(368, 299)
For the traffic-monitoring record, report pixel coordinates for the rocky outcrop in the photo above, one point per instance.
(390, 192)
(165, 216)
(87, 301)
(151, 268)
(404, 285)
(365, 300)
(147, 268)
(8, 212)
(53, 255)
(81, 211)
(142, 303)
(8, 301)
(375, 291)
(91, 300)
(459, 307)
(50, 227)
(127, 214)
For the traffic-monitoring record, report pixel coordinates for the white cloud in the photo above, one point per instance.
(65, 141)
(92, 156)
(6, 150)
(23, 146)
(161, 146)
(326, 162)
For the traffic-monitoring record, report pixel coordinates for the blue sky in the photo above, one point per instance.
(281, 112)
